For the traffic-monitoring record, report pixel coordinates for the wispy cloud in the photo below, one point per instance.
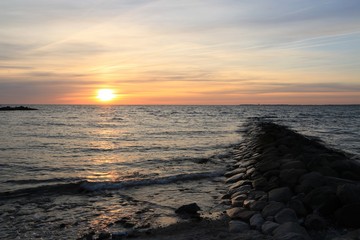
(221, 47)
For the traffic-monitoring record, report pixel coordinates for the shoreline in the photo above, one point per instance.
(284, 185)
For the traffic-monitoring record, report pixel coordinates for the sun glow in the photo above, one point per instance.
(105, 95)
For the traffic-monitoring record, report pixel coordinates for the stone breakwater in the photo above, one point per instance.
(289, 186)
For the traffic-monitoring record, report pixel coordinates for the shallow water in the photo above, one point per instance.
(82, 168)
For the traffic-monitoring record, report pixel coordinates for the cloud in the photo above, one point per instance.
(213, 47)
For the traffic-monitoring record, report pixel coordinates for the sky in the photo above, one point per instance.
(180, 52)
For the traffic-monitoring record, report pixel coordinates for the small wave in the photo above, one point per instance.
(64, 188)
(57, 124)
(117, 119)
(37, 181)
(85, 186)
(96, 186)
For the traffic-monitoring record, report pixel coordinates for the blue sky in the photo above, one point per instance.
(180, 52)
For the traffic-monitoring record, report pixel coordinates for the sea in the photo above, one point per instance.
(69, 172)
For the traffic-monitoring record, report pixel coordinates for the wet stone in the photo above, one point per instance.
(257, 194)
(298, 207)
(286, 215)
(348, 193)
(268, 227)
(258, 205)
(232, 213)
(293, 165)
(250, 171)
(315, 222)
(236, 226)
(260, 183)
(235, 178)
(239, 198)
(273, 182)
(271, 173)
(290, 176)
(282, 194)
(256, 221)
(290, 227)
(235, 172)
(245, 215)
(291, 236)
(248, 202)
(188, 211)
(265, 166)
(241, 190)
(246, 163)
(272, 208)
(324, 199)
(309, 181)
(327, 171)
(240, 183)
(348, 215)
(240, 213)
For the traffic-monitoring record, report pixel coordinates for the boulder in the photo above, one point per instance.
(259, 183)
(348, 215)
(298, 207)
(189, 210)
(240, 183)
(323, 199)
(282, 194)
(309, 181)
(241, 190)
(273, 182)
(272, 208)
(290, 227)
(104, 236)
(351, 175)
(235, 178)
(268, 227)
(250, 171)
(286, 215)
(271, 173)
(256, 221)
(327, 171)
(246, 163)
(235, 172)
(236, 226)
(240, 213)
(258, 205)
(315, 222)
(291, 236)
(295, 164)
(265, 166)
(248, 202)
(348, 193)
(290, 176)
(257, 194)
(238, 200)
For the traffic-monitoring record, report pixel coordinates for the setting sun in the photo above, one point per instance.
(105, 95)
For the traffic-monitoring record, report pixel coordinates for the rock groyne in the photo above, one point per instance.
(289, 186)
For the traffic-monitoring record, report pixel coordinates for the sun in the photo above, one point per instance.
(105, 95)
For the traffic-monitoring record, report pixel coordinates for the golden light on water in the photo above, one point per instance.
(105, 95)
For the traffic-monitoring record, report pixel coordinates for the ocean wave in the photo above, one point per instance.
(37, 181)
(96, 186)
(86, 186)
(62, 188)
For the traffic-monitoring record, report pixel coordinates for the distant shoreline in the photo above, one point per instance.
(20, 108)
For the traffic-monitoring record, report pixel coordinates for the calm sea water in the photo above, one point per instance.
(83, 168)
